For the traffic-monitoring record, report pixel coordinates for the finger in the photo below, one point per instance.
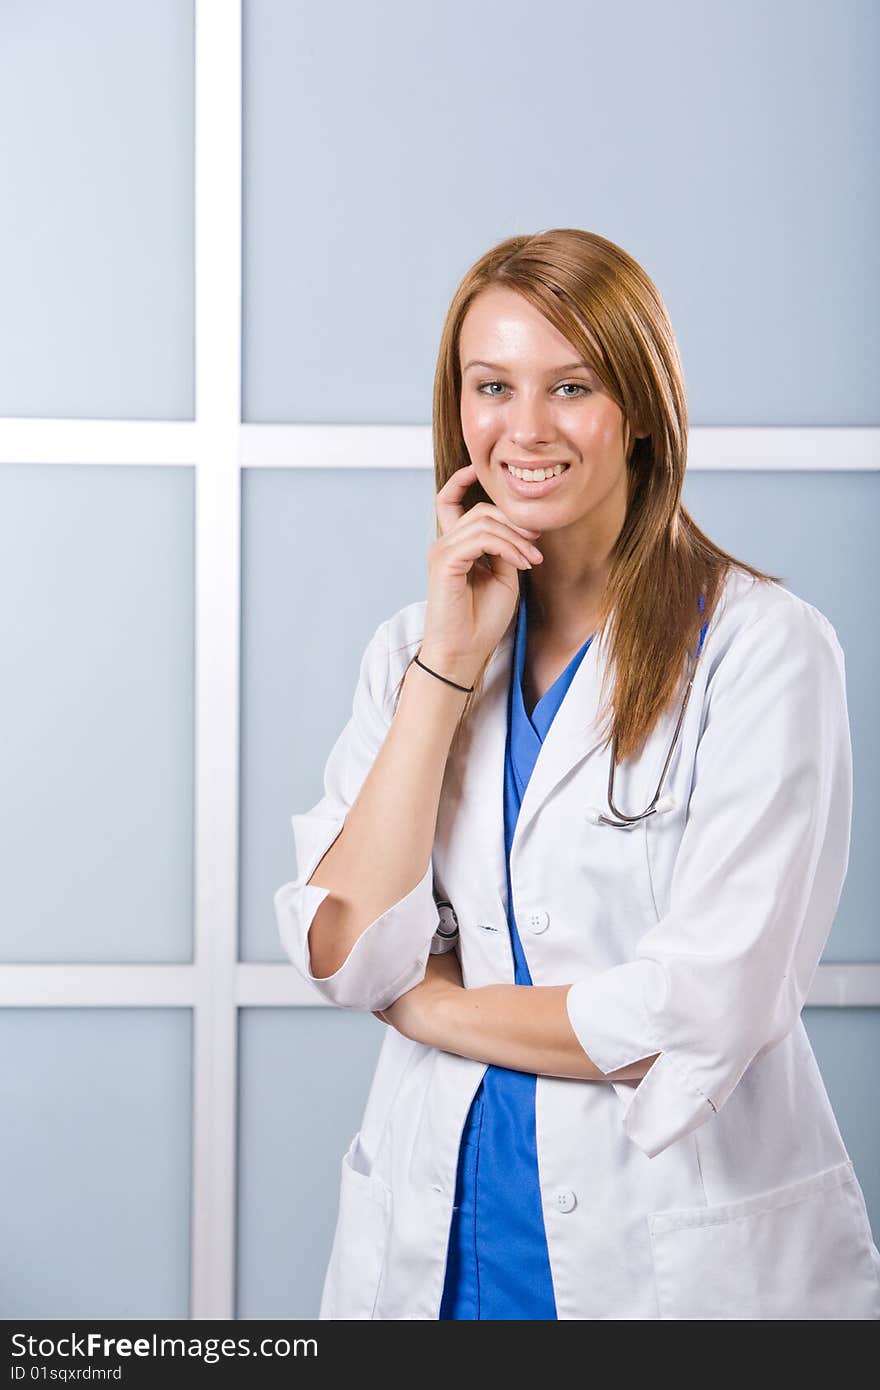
(502, 524)
(448, 501)
(498, 523)
(449, 498)
(490, 509)
(484, 514)
(488, 537)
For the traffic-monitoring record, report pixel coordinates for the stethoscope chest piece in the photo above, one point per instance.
(446, 934)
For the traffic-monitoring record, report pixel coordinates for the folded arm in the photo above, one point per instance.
(521, 1027)
(721, 977)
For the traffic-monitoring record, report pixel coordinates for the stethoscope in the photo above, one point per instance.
(657, 804)
(446, 936)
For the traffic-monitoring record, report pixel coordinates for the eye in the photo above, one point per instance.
(566, 385)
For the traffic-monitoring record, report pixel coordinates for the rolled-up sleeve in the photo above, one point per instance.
(391, 955)
(723, 975)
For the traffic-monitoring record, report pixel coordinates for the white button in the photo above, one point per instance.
(565, 1199)
(538, 920)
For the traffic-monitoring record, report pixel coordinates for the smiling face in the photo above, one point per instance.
(534, 407)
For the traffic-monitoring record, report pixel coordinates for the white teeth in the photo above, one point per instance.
(537, 475)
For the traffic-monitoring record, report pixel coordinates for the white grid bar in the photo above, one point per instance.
(217, 541)
(410, 446)
(97, 441)
(99, 986)
(257, 985)
(399, 446)
(824, 449)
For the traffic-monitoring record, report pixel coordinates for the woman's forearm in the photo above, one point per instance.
(385, 845)
(521, 1027)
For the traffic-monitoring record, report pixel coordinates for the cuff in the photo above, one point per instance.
(387, 959)
(614, 1027)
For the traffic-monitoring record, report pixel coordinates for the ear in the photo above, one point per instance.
(635, 432)
(631, 437)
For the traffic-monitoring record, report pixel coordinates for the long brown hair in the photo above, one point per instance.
(606, 305)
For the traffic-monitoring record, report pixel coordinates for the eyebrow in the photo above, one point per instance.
(552, 371)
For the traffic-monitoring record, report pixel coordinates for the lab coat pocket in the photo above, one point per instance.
(802, 1251)
(360, 1243)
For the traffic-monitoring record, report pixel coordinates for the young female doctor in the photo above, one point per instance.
(601, 1102)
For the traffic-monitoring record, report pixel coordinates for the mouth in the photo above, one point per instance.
(548, 480)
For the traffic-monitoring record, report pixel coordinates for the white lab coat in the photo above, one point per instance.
(719, 1186)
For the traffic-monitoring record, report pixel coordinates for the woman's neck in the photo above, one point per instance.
(562, 617)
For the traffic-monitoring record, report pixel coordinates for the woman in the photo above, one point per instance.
(603, 1103)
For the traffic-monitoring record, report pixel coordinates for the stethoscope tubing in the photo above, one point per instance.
(618, 819)
(622, 820)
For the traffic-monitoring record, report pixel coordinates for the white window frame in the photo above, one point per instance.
(217, 445)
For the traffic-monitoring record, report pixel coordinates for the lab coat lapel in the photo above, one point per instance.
(572, 737)
(479, 761)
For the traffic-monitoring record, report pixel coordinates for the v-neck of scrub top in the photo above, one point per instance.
(498, 1266)
(525, 734)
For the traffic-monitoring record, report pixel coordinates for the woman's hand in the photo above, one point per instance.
(473, 583)
(410, 1014)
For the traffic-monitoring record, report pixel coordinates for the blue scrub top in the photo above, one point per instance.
(497, 1262)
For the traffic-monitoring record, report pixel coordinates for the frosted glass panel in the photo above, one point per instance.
(95, 1163)
(326, 556)
(304, 1077)
(97, 633)
(97, 240)
(847, 1047)
(305, 623)
(387, 146)
(797, 526)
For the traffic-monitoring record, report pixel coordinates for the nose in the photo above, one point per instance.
(530, 422)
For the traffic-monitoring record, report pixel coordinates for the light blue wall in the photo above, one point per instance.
(302, 640)
(847, 1045)
(98, 233)
(730, 148)
(97, 637)
(304, 1074)
(95, 1163)
(799, 526)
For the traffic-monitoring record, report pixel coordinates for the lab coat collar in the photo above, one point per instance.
(574, 735)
